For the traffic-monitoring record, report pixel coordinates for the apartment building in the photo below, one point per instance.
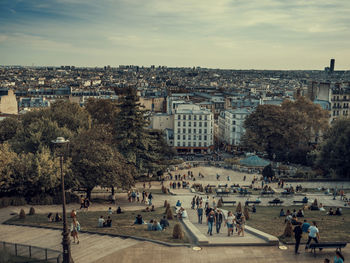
(193, 129)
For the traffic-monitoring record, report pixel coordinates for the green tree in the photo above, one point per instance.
(335, 151)
(268, 171)
(102, 111)
(8, 128)
(7, 160)
(96, 163)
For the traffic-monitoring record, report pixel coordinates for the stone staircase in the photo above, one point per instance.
(91, 248)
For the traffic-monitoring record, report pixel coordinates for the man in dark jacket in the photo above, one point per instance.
(297, 235)
(219, 219)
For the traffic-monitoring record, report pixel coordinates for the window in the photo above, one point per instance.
(189, 124)
(206, 117)
(200, 117)
(200, 124)
(179, 123)
(189, 144)
(200, 130)
(189, 117)
(178, 143)
(195, 117)
(205, 130)
(234, 122)
(199, 144)
(199, 137)
(194, 137)
(194, 124)
(184, 137)
(178, 130)
(194, 131)
(179, 117)
(184, 123)
(205, 137)
(205, 144)
(183, 130)
(189, 137)
(205, 124)
(178, 137)
(184, 117)
(184, 144)
(233, 129)
(189, 130)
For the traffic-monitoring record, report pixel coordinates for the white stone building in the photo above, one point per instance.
(231, 126)
(193, 129)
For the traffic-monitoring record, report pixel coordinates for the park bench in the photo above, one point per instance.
(244, 193)
(276, 202)
(223, 185)
(300, 202)
(336, 245)
(252, 202)
(228, 202)
(222, 193)
(267, 193)
(287, 193)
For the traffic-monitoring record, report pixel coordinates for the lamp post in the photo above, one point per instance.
(60, 142)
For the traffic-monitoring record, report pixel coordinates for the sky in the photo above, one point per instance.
(230, 34)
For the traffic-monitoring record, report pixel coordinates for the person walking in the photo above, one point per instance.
(297, 235)
(229, 222)
(74, 228)
(150, 197)
(211, 220)
(200, 214)
(219, 219)
(313, 235)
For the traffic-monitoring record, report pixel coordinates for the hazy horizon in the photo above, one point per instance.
(236, 34)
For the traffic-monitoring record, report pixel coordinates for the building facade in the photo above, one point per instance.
(8, 102)
(193, 129)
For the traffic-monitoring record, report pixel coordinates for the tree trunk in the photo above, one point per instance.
(88, 193)
(112, 190)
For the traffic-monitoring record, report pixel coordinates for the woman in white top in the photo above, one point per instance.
(229, 223)
(74, 228)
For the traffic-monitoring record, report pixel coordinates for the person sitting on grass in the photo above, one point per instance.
(156, 226)
(294, 221)
(119, 210)
(146, 209)
(282, 212)
(108, 222)
(110, 211)
(50, 217)
(152, 208)
(58, 218)
(330, 212)
(101, 222)
(338, 212)
(300, 213)
(139, 220)
(178, 203)
(288, 212)
(182, 213)
(150, 225)
(164, 223)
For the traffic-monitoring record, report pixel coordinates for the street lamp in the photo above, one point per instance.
(60, 142)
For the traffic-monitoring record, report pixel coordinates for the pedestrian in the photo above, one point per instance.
(138, 196)
(149, 185)
(200, 214)
(241, 225)
(219, 218)
(338, 258)
(313, 235)
(229, 223)
(297, 235)
(82, 202)
(74, 229)
(193, 203)
(150, 197)
(211, 220)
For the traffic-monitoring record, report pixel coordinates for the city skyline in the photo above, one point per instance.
(266, 34)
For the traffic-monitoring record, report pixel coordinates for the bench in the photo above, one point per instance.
(300, 202)
(287, 193)
(222, 193)
(252, 202)
(267, 193)
(276, 202)
(222, 185)
(336, 245)
(228, 202)
(244, 193)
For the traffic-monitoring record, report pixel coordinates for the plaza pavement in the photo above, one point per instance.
(96, 248)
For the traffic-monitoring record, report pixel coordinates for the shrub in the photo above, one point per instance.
(165, 203)
(246, 212)
(22, 214)
(31, 211)
(14, 201)
(169, 214)
(177, 232)
(219, 202)
(288, 230)
(239, 208)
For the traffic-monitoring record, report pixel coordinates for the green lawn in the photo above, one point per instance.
(332, 228)
(121, 224)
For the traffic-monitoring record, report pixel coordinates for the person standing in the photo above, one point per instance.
(313, 234)
(219, 219)
(150, 197)
(297, 235)
(211, 221)
(74, 228)
(200, 214)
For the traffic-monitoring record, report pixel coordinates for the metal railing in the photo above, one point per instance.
(35, 254)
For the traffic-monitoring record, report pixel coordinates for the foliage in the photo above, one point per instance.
(102, 111)
(12, 201)
(268, 171)
(335, 151)
(8, 128)
(279, 130)
(288, 230)
(177, 232)
(22, 214)
(31, 211)
(239, 208)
